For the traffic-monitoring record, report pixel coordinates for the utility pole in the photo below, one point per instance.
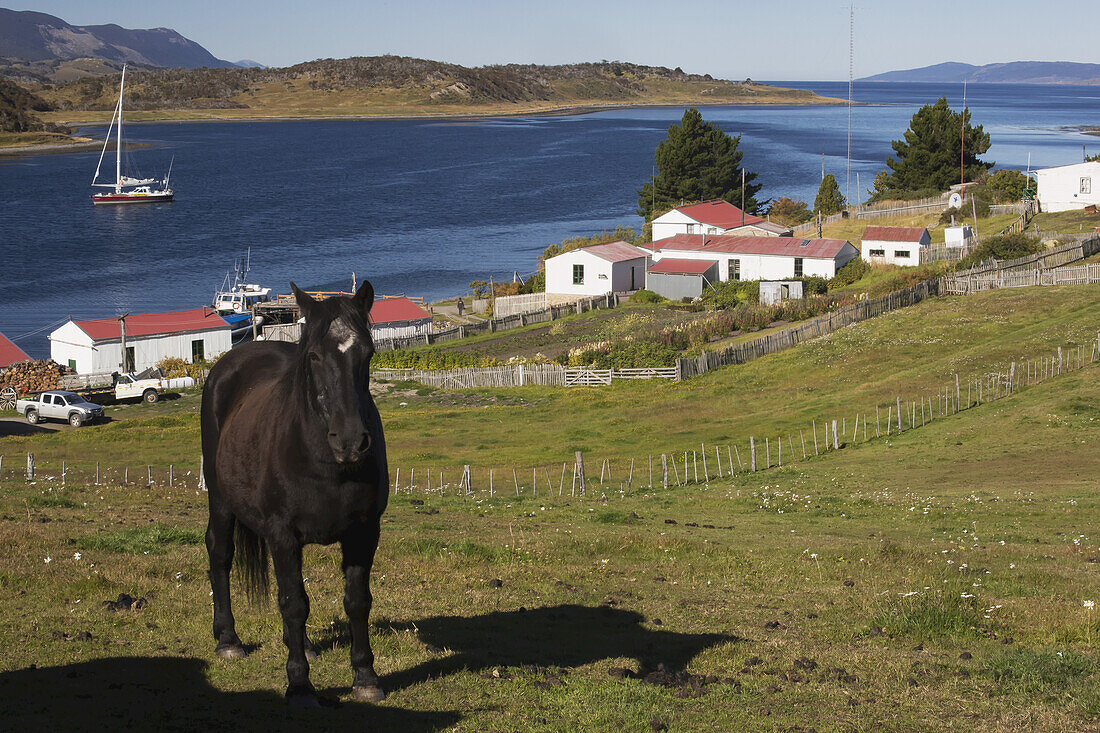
(127, 367)
(742, 196)
(851, 54)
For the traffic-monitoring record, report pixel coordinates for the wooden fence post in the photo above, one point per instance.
(815, 437)
(703, 450)
(718, 457)
(30, 467)
(651, 471)
(676, 471)
(958, 393)
(149, 475)
(836, 444)
(491, 488)
(63, 473)
(899, 414)
(630, 477)
(97, 473)
(740, 466)
(1059, 361)
(752, 452)
(580, 471)
(515, 479)
(803, 439)
(664, 468)
(171, 475)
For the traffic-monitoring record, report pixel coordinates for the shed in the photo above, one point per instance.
(760, 258)
(958, 236)
(10, 353)
(616, 267)
(773, 291)
(677, 279)
(894, 245)
(1067, 187)
(714, 217)
(397, 318)
(95, 346)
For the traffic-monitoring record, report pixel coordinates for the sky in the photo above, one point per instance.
(777, 40)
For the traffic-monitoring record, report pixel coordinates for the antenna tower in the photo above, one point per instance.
(851, 54)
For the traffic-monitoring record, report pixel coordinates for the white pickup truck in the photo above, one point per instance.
(58, 404)
(123, 386)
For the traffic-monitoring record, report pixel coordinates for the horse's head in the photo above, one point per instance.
(334, 358)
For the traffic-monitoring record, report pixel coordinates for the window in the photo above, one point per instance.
(901, 254)
(578, 274)
(798, 267)
(735, 269)
(876, 252)
(1086, 184)
(691, 229)
(198, 351)
(712, 230)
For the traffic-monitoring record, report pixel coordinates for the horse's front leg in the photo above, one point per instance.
(358, 558)
(286, 556)
(219, 546)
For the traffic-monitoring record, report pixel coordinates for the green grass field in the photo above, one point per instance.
(933, 580)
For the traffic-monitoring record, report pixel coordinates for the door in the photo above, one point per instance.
(633, 271)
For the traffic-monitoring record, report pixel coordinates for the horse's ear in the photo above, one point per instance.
(364, 296)
(305, 300)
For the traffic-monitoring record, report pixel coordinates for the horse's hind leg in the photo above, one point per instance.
(358, 558)
(286, 555)
(219, 545)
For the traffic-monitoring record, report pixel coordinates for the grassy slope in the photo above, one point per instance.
(987, 519)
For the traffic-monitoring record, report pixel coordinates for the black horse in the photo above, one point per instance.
(293, 455)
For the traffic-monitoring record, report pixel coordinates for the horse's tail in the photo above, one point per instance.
(251, 561)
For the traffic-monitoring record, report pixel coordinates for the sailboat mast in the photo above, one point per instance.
(118, 138)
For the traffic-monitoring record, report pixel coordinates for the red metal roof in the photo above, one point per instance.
(392, 310)
(719, 213)
(149, 324)
(734, 244)
(10, 353)
(616, 251)
(682, 267)
(894, 234)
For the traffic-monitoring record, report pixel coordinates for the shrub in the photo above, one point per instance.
(174, 367)
(433, 358)
(850, 273)
(646, 296)
(1005, 247)
(814, 285)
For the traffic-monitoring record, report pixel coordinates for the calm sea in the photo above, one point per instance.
(423, 207)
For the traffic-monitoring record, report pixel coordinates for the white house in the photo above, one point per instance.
(894, 245)
(760, 258)
(95, 346)
(775, 291)
(714, 217)
(397, 318)
(615, 267)
(1069, 186)
(958, 236)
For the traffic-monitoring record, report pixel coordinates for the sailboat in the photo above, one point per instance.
(127, 190)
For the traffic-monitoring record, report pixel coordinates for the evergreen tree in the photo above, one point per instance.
(788, 212)
(829, 199)
(697, 162)
(928, 158)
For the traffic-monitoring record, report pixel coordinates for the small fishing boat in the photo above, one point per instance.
(241, 325)
(127, 190)
(236, 295)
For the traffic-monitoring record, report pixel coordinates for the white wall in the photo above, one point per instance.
(765, 267)
(1060, 188)
(890, 252)
(70, 342)
(674, 222)
(401, 329)
(600, 276)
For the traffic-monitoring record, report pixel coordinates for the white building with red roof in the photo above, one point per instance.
(398, 318)
(714, 217)
(759, 258)
(615, 267)
(95, 346)
(10, 353)
(894, 245)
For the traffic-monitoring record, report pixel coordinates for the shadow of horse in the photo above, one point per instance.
(551, 636)
(158, 693)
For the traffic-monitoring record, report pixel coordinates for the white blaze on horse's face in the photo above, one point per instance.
(343, 334)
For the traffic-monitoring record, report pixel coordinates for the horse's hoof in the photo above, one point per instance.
(231, 651)
(368, 694)
(303, 701)
(311, 653)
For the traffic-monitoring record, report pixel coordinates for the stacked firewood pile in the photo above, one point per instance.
(32, 376)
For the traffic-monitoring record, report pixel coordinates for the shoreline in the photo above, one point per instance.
(556, 111)
(89, 146)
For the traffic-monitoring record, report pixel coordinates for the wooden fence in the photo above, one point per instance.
(813, 328)
(1028, 270)
(883, 210)
(292, 331)
(521, 375)
(1071, 275)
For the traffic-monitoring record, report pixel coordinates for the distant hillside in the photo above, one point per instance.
(399, 85)
(17, 108)
(37, 37)
(1015, 72)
